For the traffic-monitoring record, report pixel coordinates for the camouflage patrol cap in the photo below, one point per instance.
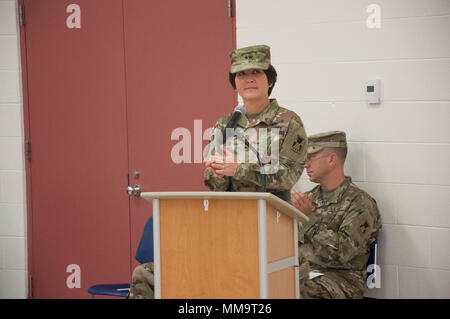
(254, 57)
(318, 142)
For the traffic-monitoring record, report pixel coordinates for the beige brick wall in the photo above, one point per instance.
(399, 150)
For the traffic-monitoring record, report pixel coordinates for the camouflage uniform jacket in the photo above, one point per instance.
(337, 237)
(292, 153)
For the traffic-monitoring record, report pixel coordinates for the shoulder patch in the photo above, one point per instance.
(297, 145)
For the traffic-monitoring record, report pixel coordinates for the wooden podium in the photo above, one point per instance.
(224, 245)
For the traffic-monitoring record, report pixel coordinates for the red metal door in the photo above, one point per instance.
(103, 101)
(79, 211)
(177, 73)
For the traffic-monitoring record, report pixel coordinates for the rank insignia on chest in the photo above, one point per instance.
(297, 145)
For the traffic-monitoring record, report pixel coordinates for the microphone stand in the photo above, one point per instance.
(263, 172)
(284, 195)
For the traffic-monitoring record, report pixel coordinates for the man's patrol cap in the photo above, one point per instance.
(254, 57)
(318, 142)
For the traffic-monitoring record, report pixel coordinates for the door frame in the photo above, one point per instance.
(26, 138)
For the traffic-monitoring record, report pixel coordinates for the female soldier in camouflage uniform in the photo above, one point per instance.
(253, 77)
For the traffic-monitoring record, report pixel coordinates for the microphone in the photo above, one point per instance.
(232, 123)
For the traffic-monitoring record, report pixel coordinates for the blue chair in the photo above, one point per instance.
(144, 254)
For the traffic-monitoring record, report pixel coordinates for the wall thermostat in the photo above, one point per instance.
(373, 91)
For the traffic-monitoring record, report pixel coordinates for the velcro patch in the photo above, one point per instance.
(297, 145)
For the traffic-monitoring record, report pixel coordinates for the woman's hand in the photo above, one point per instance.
(222, 165)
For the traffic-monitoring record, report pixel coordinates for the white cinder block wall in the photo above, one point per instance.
(323, 52)
(399, 150)
(13, 253)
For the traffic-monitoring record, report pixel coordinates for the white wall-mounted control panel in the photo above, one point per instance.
(373, 91)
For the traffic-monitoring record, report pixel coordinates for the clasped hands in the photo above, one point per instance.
(226, 165)
(302, 202)
(222, 164)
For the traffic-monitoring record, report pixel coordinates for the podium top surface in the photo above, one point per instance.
(273, 200)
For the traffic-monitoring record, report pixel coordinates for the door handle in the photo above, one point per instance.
(134, 190)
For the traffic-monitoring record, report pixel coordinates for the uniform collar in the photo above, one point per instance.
(265, 116)
(333, 196)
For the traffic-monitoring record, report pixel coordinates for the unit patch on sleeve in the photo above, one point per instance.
(297, 145)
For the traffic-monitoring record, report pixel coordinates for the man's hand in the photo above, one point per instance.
(302, 202)
(222, 165)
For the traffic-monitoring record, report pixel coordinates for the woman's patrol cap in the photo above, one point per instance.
(253, 57)
(318, 142)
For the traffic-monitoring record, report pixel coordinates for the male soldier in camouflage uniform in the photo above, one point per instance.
(253, 77)
(343, 222)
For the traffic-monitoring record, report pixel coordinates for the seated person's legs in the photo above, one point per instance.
(142, 282)
(332, 285)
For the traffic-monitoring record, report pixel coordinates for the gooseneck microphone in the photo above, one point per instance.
(232, 123)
